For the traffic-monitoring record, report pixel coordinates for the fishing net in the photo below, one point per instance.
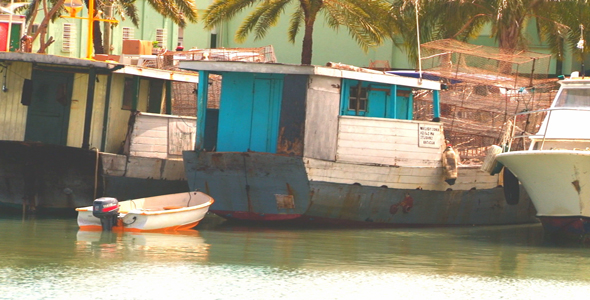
(485, 88)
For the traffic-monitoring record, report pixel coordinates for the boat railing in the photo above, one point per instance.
(543, 126)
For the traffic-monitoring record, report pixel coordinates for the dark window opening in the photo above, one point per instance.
(128, 92)
(357, 99)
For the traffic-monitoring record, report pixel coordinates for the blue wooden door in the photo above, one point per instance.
(377, 103)
(249, 112)
(265, 112)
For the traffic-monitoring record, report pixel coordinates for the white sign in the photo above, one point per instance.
(429, 135)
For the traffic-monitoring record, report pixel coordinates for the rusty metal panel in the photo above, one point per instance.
(249, 182)
(355, 203)
(285, 201)
(292, 120)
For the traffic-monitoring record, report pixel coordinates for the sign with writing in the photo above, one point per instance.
(429, 135)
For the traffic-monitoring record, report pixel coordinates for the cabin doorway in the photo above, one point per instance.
(49, 108)
(254, 102)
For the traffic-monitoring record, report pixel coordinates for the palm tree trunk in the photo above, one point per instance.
(306, 50)
(96, 32)
(97, 38)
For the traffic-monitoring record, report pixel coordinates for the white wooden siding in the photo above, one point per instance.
(321, 123)
(385, 142)
(13, 115)
(162, 136)
(426, 178)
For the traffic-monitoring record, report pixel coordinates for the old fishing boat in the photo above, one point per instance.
(333, 145)
(555, 166)
(173, 212)
(73, 130)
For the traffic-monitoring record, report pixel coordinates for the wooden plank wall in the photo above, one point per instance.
(13, 115)
(321, 125)
(162, 136)
(385, 142)
(78, 111)
(118, 118)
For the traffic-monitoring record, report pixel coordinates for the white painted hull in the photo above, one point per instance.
(558, 181)
(161, 213)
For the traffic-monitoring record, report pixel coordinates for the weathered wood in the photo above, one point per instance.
(321, 125)
(427, 178)
(14, 114)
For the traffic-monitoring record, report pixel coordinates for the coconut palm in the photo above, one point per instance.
(179, 11)
(508, 19)
(361, 17)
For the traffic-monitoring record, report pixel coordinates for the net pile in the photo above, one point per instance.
(486, 88)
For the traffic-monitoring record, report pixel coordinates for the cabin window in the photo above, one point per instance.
(573, 97)
(376, 100)
(357, 100)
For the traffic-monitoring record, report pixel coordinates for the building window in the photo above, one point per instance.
(68, 37)
(161, 37)
(357, 100)
(127, 33)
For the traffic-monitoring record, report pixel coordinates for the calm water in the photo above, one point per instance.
(51, 259)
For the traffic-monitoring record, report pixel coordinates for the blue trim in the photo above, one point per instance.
(436, 103)
(393, 101)
(202, 91)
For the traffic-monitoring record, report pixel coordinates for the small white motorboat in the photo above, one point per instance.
(172, 212)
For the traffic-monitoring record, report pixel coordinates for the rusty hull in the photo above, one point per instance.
(268, 187)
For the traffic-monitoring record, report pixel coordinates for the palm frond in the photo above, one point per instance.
(222, 10)
(295, 24)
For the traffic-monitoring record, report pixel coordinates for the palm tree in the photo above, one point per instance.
(440, 19)
(361, 17)
(179, 11)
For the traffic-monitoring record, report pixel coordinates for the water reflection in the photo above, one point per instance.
(52, 259)
(155, 246)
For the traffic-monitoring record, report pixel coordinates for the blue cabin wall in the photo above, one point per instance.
(249, 112)
(379, 100)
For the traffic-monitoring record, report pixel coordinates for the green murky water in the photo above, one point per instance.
(51, 259)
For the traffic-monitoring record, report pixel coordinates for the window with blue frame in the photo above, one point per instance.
(378, 100)
(357, 100)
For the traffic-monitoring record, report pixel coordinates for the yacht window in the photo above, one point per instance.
(572, 97)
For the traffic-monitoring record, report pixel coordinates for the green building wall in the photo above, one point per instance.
(328, 45)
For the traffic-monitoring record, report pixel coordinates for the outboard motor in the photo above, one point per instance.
(107, 210)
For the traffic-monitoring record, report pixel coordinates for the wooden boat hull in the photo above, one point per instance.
(181, 211)
(53, 180)
(555, 181)
(48, 178)
(273, 188)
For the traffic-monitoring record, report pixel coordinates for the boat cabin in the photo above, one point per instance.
(317, 112)
(565, 123)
